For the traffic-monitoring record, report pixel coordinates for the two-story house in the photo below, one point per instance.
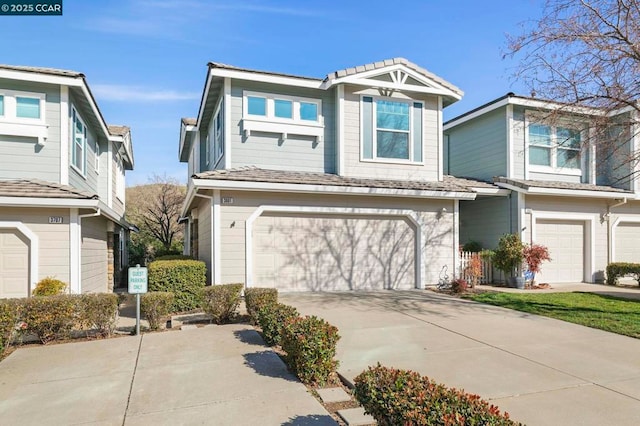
(571, 188)
(326, 183)
(62, 184)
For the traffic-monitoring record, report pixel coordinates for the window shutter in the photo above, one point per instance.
(367, 127)
(417, 131)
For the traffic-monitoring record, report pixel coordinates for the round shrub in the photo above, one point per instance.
(272, 317)
(50, 317)
(257, 297)
(49, 286)
(156, 307)
(459, 285)
(184, 278)
(99, 311)
(221, 301)
(10, 313)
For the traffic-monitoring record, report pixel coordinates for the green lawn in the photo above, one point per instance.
(592, 310)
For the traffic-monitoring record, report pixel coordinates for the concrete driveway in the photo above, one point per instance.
(540, 370)
(221, 375)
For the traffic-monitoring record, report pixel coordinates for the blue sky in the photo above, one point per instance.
(145, 60)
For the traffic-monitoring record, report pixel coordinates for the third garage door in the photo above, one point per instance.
(565, 240)
(331, 252)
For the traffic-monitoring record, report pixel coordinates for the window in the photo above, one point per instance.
(308, 111)
(1, 105)
(391, 129)
(257, 106)
(281, 108)
(219, 133)
(556, 147)
(78, 142)
(27, 107)
(120, 189)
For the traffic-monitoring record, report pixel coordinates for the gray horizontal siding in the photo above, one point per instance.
(266, 150)
(478, 148)
(485, 220)
(88, 182)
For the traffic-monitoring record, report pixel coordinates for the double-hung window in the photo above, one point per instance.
(78, 142)
(391, 129)
(554, 147)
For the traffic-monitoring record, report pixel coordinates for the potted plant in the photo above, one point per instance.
(508, 258)
(534, 255)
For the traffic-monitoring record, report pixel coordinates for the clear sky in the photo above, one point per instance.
(145, 60)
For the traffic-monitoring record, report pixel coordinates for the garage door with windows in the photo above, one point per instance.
(14, 264)
(566, 243)
(627, 240)
(333, 252)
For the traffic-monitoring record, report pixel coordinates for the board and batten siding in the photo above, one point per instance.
(438, 231)
(93, 251)
(53, 239)
(484, 220)
(20, 157)
(266, 150)
(478, 148)
(383, 169)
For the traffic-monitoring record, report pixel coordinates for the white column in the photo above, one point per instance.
(74, 252)
(215, 242)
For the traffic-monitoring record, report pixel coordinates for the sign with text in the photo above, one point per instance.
(138, 280)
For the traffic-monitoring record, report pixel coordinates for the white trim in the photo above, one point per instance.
(439, 139)
(110, 174)
(420, 252)
(203, 102)
(47, 202)
(34, 250)
(340, 142)
(64, 135)
(227, 123)
(492, 191)
(266, 78)
(635, 146)
(33, 130)
(456, 237)
(249, 125)
(521, 219)
(74, 113)
(457, 121)
(589, 236)
(510, 140)
(216, 227)
(566, 192)
(329, 189)
(11, 107)
(620, 219)
(75, 237)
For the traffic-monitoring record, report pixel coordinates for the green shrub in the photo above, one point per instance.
(156, 307)
(99, 311)
(396, 397)
(310, 344)
(271, 318)
(49, 286)
(50, 317)
(508, 256)
(472, 246)
(184, 278)
(221, 301)
(10, 313)
(257, 297)
(620, 269)
(174, 257)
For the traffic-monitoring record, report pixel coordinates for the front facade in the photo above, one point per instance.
(570, 189)
(323, 184)
(62, 174)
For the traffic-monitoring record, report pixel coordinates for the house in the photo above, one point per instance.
(62, 180)
(572, 183)
(330, 183)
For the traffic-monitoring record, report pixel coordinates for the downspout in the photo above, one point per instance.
(97, 212)
(610, 230)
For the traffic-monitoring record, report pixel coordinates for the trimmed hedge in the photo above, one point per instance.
(396, 397)
(184, 278)
(99, 311)
(620, 269)
(256, 297)
(10, 313)
(271, 318)
(222, 301)
(310, 344)
(174, 257)
(51, 317)
(156, 307)
(49, 286)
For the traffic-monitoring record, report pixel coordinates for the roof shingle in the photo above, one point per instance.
(117, 130)
(34, 188)
(42, 70)
(526, 184)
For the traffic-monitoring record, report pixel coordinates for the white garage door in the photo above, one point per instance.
(325, 253)
(14, 265)
(627, 246)
(565, 240)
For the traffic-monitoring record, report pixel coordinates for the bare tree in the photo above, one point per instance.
(586, 54)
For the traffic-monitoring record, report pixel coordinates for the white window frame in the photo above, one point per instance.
(96, 160)
(270, 112)
(374, 131)
(11, 107)
(120, 187)
(82, 171)
(575, 125)
(3, 103)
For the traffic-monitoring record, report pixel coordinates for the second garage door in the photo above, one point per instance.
(627, 240)
(325, 253)
(565, 240)
(14, 264)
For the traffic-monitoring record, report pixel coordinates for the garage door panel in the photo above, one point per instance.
(627, 244)
(565, 241)
(14, 264)
(324, 253)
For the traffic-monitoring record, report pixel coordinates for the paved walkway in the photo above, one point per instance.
(542, 371)
(221, 375)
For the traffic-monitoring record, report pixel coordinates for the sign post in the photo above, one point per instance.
(138, 280)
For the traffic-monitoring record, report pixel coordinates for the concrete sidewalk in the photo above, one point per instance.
(221, 375)
(540, 370)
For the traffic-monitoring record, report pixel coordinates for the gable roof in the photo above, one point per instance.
(35, 188)
(544, 187)
(42, 70)
(188, 121)
(118, 130)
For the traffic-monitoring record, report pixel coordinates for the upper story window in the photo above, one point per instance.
(282, 108)
(22, 107)
(391, 130)
(120, 187)
(554, 147)
(78, 142)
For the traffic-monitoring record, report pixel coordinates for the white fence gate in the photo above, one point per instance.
(487, 267)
